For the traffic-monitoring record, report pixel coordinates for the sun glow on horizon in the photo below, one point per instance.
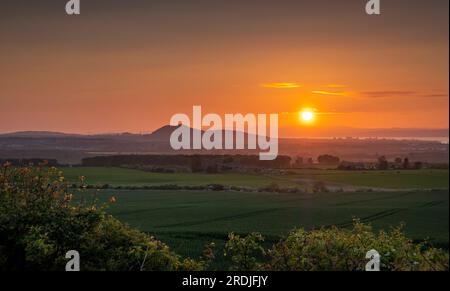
(307, 115)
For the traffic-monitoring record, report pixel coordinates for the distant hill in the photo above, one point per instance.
(37, 134)
(164, 133)
(71, 148)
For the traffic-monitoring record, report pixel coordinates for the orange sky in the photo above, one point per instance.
(131, 65)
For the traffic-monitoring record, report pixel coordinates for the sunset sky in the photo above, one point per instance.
(129, 65)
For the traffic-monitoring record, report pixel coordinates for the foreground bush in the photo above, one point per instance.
(40, 222)
(335, 249)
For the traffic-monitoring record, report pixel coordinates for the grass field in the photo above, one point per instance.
(188, 220)
(127, 177)
(411, 179)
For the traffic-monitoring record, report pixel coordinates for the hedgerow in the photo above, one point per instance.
(335, 249)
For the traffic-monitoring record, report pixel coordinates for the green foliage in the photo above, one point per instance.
(244, 251)
(40, 222)
(334, 249)
(328, 160)
(273, 187)
(320, 187)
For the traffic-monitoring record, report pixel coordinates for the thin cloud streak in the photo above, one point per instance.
(330, 93)
(388, 94)
(281, 85)
(336, 86)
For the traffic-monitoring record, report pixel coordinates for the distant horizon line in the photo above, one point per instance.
(443, 132)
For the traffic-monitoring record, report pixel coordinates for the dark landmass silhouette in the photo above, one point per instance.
(71, 148)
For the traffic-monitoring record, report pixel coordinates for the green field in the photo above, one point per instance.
(127, 177)
(411, 179)
(187, 220)
(402, 179)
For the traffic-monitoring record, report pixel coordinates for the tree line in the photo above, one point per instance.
(196, 163)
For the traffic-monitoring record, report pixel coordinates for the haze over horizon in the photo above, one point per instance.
(128, 66)
(438, 134)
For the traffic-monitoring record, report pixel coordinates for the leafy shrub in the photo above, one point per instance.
(216, 187)
(40, 222)
(334, 249)
(272, 187)
(320, 187)
(244, 251)
(328, 160)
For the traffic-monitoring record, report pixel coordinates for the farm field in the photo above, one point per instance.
(410, 179)
(129, 177)
(188, 220)
(395, 179)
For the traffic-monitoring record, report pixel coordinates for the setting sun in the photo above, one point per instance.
(306, 115)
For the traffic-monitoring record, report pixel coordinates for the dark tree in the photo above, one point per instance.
(328, 160)
(196, 164)
(298, 162)
(406, 163)
(418, 165)
(382, 163)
